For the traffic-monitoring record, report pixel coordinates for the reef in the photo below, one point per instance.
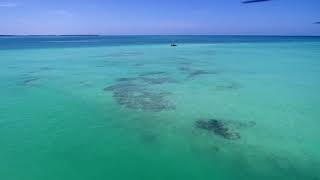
(158, 80)
(192, 72)
(218, 128)
(139, 93)
(127, 79)
(30, 80)
(86, 83)
(153, 73)
(195, 73)
(184, 69)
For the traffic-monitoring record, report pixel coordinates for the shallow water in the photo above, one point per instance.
(128, 110)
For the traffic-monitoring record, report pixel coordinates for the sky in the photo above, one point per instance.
(159, 17)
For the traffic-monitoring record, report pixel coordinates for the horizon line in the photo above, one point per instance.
(157, 35)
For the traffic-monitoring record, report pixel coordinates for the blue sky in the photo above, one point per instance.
(277, 17)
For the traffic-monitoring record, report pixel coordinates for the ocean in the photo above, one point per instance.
(134, 107)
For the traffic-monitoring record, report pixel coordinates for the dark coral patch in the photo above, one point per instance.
(127, 79)
(219, 128)
(195, 73)
(158, 80)
(124, 86)
(137, 93)
(151, 78)
(184, 69)
(135, 97)
(153, 73)
(30, 80)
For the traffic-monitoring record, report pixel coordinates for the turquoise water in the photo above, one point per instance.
(127, 107)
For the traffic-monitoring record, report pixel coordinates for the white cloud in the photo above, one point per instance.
(8, 4)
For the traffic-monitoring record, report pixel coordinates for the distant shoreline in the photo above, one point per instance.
(9, 35)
